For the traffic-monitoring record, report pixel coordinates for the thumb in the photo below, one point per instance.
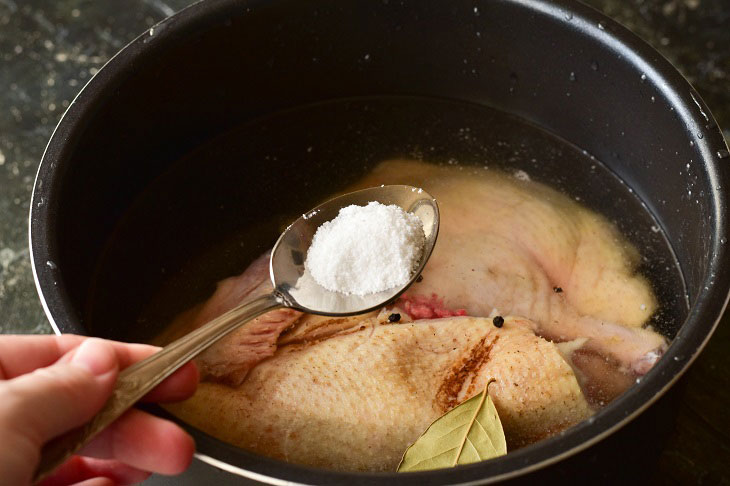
(50, 401)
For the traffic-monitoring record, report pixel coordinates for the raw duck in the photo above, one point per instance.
(352, 393)
(505, 245)
(356, 400)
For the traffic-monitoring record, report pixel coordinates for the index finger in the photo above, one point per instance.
(21, 354)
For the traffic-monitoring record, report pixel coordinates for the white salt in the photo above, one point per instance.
(366, 249)
(521, 175)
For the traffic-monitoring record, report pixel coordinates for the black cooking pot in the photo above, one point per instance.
(127, 206)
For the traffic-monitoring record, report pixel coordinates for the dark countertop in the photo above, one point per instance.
(49, 50)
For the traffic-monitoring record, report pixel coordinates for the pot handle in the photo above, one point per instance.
(137, 380)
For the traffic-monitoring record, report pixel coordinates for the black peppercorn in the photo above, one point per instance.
(419, 278)
(498, 321)
(558, 290)
(394, 318)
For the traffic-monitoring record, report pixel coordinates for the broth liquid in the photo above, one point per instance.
(314, 151)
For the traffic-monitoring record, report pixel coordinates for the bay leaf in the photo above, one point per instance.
(470, 432)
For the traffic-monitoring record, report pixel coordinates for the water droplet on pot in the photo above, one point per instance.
(51, 265)
(691, 143)
(723, 154)
(700, 136)
(512, 81)
(643, 77)
(569, 16)
(653, 99)
(594, 65)
(572, 76)
(601, 26)
(723, 240)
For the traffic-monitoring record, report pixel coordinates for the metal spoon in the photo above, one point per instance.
(293, 288)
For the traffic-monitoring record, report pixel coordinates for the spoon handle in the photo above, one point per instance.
(135, 381)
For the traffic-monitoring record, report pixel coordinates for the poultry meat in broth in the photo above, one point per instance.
(353, 393)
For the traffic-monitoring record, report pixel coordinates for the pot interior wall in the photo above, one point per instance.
(235, 65)
(234, 194)
(232, 65)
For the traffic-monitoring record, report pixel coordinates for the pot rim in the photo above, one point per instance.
(701, 321)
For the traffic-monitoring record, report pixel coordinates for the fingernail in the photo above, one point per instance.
(94, 355)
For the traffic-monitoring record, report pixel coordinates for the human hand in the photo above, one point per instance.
(52, 384)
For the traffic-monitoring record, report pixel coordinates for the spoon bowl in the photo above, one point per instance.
(300, 291)
(293, 288)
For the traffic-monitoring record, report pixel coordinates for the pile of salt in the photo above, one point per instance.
(366, 249)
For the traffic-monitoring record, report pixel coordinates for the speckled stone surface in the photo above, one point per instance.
(49, 50)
